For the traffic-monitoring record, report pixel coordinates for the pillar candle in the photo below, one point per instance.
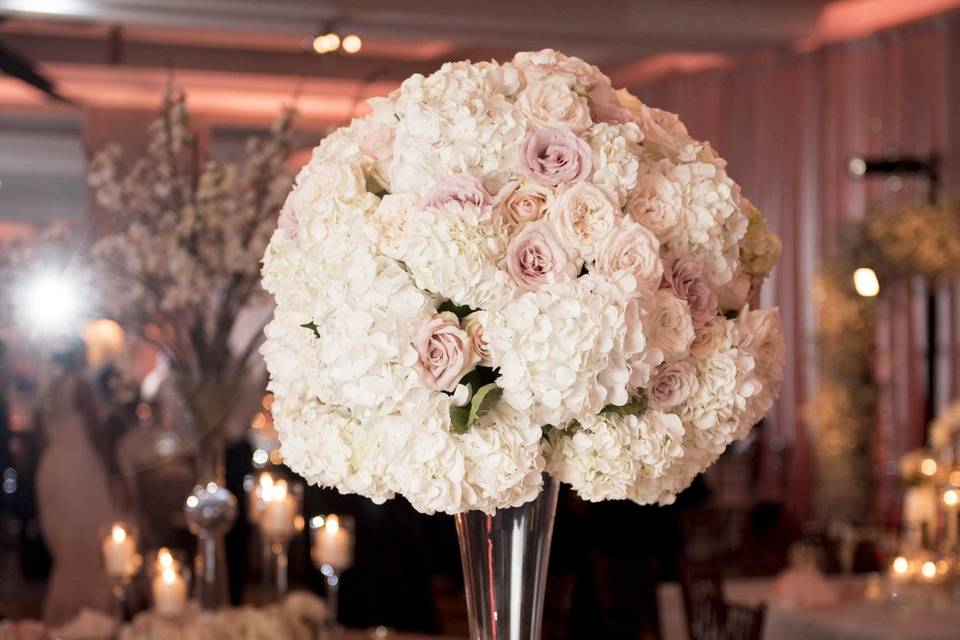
(279, 511)
(119, 549)
(333, 545)
(169, 592)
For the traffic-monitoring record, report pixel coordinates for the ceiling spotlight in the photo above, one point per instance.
(352, 43)
(866, 283)
(326, 43)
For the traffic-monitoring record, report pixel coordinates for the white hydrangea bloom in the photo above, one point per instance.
(560, 349)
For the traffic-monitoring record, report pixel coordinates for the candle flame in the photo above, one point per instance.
(164, 557)
(118, 533)
(169, 575)
(900, 565)
(332, 524)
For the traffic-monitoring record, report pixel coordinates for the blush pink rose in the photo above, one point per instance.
(633, 248)
(604, 106)
(671, 385)
(708, 338)
(554, 156)
(686, 278)
(535, 257)
(462, 189)
(444, 351)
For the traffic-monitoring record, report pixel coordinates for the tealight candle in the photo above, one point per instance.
(277, 520)
(333, 544)
(169, 592)
(119, 549)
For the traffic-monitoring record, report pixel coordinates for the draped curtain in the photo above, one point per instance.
(788, 124)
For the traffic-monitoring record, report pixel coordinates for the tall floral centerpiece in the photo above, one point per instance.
(181, 266)
(505, 276)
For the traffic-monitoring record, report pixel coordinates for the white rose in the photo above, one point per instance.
(551, 104)
(583, 217)
(320, 180)
(390, 221)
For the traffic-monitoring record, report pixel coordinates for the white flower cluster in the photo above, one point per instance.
(511, 269)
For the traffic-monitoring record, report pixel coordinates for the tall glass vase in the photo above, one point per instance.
(505, 558)
(211, 511)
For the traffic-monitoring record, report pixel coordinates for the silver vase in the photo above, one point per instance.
(211, 511)
(505, 558)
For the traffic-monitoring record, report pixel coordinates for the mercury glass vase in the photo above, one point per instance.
(505, 557)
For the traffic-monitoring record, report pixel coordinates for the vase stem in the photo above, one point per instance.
(505, 557)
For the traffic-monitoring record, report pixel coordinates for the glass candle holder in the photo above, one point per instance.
(121, 561)
(279, 520)
(331, 550)
(169, 578)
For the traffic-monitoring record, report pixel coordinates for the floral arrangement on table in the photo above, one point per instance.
(896, 244)
(295, 618)
(944, 432)
(507, 269)
(183, 261)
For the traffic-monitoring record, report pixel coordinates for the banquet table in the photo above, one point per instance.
(856, 619)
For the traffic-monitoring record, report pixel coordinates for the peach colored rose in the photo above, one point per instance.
(522, 202)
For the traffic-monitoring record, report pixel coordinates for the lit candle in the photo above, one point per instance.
(119, 549)
(255, 497)
(279, 510)
(169, 592)
(929, 571)
(333, 545)
(900, 569)
(951, 498)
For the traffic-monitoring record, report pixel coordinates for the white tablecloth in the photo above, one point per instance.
(857, 619)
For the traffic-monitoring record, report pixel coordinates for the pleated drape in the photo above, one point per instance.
(787, 124)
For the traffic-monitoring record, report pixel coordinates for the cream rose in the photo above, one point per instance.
(765, 339)
(583, 217)
(552, 104)
(671, 326)
(634, 249)
(521, 202)
(444, 352)
(657, 204)
(319, 180)
(672, 384)
(535, 258)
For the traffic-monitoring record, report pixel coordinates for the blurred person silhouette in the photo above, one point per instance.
(73, 494)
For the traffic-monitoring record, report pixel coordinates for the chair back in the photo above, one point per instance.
(702, 588)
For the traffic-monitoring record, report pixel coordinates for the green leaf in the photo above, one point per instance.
(313, 327)
(461, 311)
(635, 407)
(460, 419)
(484, 398)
